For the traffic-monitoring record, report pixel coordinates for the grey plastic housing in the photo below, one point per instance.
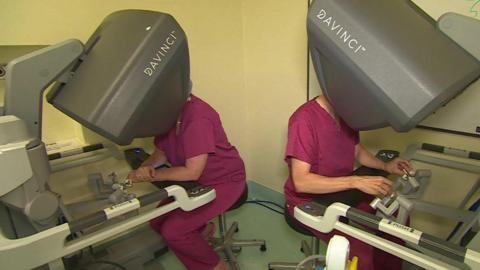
(463, 30)
(384, 63)
(132, 80)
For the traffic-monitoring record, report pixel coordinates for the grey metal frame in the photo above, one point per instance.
(446, 256)
(468, 218)
(463, 30)
(28, 76)
(26, 79)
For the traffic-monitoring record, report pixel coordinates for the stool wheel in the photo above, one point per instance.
(237, 229)
(236, 249)
(263, 248)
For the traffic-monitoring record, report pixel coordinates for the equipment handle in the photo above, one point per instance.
(117, 210)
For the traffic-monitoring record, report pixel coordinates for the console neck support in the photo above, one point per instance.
(28, 76)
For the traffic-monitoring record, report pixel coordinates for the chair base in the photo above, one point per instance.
(230, 246)
(286, 266)
(292, 266)
(307, 250)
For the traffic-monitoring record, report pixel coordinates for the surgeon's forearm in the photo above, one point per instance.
(179, 173)
(307, 182)
(366, 158)
(318, 184)
(192, 170)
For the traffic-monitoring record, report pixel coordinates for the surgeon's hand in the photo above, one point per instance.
(144, 173)
(398, 166)
(373, 185)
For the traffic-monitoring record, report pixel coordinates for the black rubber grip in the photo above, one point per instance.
(187, 185)
(362, 170)
(153, 197)
(3, 70)
(54, 156)
(363, 218)
(135, 157)
(351, 197)
(93, 219)
(433, 147)
(443, 247)
(85, 149)
(314, 209)
(92, 147)
(387, 155)
(474, 155)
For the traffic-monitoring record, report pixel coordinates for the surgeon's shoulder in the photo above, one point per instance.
(303, 113)
(199, 109)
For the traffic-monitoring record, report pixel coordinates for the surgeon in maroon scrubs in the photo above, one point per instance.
(321, 152)
(197, 148)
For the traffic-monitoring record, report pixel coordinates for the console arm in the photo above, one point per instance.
(28, 76)
(463, 30)
(325, 219)
(52, 242)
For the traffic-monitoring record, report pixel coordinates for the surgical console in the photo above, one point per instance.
(387, 63)
(130, 80)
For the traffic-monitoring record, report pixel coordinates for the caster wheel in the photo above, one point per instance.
(263, 248)
(237, 250)
(236, 230)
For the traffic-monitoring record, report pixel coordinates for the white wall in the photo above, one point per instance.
(275, 60)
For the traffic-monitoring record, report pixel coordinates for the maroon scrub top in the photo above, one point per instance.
(315, 138)
(200, 131)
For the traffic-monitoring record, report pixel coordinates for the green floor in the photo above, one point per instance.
(256, 222)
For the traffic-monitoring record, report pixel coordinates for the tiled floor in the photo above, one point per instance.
(256, 222)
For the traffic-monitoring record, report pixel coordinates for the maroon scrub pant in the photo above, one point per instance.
(181, 230)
